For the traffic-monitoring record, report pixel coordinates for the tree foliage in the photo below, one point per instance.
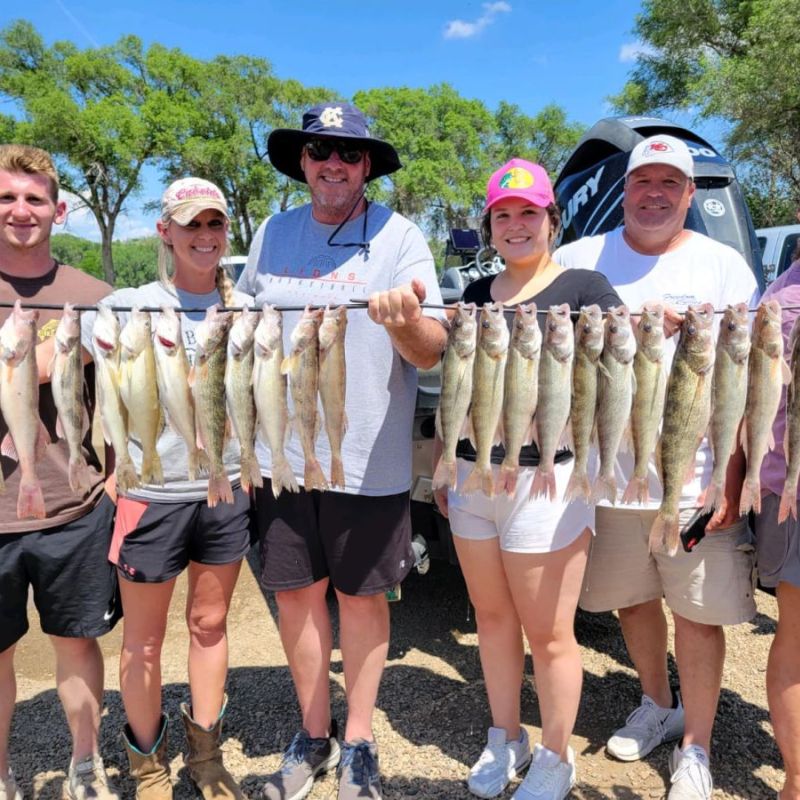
(735, 61)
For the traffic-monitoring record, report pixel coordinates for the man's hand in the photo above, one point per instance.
(399, 307)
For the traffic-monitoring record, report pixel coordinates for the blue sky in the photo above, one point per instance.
(529, 52)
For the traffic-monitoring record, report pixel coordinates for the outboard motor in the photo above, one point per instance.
(589, 187)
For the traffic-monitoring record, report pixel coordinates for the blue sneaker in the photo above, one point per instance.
(359, 777)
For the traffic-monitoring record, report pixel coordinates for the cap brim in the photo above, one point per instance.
(186, 213)
(285, 146)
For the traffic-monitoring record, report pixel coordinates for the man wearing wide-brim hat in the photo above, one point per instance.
(350, 523)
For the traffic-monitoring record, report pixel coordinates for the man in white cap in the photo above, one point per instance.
(653, 257)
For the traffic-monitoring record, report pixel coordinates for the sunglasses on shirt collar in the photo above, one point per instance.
(321, 150)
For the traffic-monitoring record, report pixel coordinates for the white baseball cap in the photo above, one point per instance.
(184, 199)
(662, 149)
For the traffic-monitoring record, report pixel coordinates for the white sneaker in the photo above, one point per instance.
(87, 780)
(646, 728)
(690, 776)
(8, 788)
(549, 778)
(499, 762)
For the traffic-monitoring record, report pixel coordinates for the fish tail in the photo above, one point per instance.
(30, 501)
(250, 472)
(79, 479)
(151, 468)
(219, 490)
(283, 478)
(578, 486)
(507, 479)
(337, 472)
(637, 491)
(544, 483)
(127, 478)
(480, 479)
(313, 477)
(788, 502)
(664, 534)
(445, 475)
(715, 496)
(605, 488)
(750, 497)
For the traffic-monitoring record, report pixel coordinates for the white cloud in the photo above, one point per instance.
(630, 51)
(81, 222)
(461, 29)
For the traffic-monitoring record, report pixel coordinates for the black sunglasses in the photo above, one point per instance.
(321, 149)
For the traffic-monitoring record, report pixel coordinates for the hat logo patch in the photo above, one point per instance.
(657, 147)
(331, 117)
(516, 178)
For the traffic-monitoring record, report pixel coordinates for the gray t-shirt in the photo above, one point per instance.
(171, 447)
(290, 263)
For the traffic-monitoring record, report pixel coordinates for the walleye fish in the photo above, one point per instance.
(648, 400)
(302, 367)
(687, 409)
(27, 438)
(66, 383)
(172, 373)
(555, 390)
(332, 384)
(588, 348)
(138, 387)
(269, 390)
(487, 396)
(456, 393)
(207, 381)
(728, 399)
(615, 389)
(520, 393)
(791, 438)
(113, 414)
(766, 374)
(239, 393)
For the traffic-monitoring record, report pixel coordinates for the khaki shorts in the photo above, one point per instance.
(712, 585)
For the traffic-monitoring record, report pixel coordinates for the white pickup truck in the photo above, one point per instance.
(777, 248)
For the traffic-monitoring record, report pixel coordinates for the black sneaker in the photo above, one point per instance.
(358, 771)
(303, 760)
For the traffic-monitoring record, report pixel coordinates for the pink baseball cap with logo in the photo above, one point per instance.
(520, 178)
(662, 149)
(184, 199)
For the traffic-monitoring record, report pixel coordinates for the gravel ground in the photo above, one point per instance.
(432, 712)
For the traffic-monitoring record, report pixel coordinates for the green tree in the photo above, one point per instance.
(104, 113)
(136, 261)
(77, 252)
(734, 61)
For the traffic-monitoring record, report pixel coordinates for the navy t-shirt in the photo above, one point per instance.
(576, 288)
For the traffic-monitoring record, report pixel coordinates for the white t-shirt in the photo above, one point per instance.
(700, 270)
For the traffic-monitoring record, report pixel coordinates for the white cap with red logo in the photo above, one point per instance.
(662, 149)
(184, 199)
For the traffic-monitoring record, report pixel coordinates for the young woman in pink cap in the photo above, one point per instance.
(165, 527)
(523, 559)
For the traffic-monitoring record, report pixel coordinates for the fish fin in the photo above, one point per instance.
(250, 472)
(750, 497)
(30, 501)
(480, 479)
(345, 423)
(288, 364)
(86, 422)
(60, 433)
(337, 472)
(637, 491)
(664, 535)
(786, 373)
(42, 441)
(527, 439)
(565, 440)
(437, 422)
(313, 476)
(605, 488)
(578, 487)
(507, 480)
(79, 478)
(715, 496)
(603, 370)
(743, 438)
(788, 504)
(445, 475)
(219, 490)
(499, 434)
(470, 431)
(191, 377)
(771, 440)
(283, 478)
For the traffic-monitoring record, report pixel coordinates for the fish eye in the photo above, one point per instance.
(647, 327)
(691, 330)
(485, 323)
(731, 326)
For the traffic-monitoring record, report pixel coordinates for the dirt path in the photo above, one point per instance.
(432, 713)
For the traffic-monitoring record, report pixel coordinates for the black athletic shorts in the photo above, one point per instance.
(74, 586)
(154, 542)
(362, 543)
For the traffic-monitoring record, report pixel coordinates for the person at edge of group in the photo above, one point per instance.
(653, 257)
(62, 557)
(778, 558)
(162, 530)
(523, 559)
(340, 247)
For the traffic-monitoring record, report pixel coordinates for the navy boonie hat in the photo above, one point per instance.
(329, 121)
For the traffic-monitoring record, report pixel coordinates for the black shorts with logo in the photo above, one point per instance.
(362, 543)
(74, 586)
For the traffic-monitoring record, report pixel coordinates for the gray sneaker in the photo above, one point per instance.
(646, 728)
(359, 777)
(87, 780)
(303, 760)
(8, 788)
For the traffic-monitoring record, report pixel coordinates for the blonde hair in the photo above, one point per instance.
(30, 160)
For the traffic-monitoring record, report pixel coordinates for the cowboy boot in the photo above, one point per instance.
(150, 770)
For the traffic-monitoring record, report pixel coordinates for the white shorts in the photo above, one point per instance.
(523, 525)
